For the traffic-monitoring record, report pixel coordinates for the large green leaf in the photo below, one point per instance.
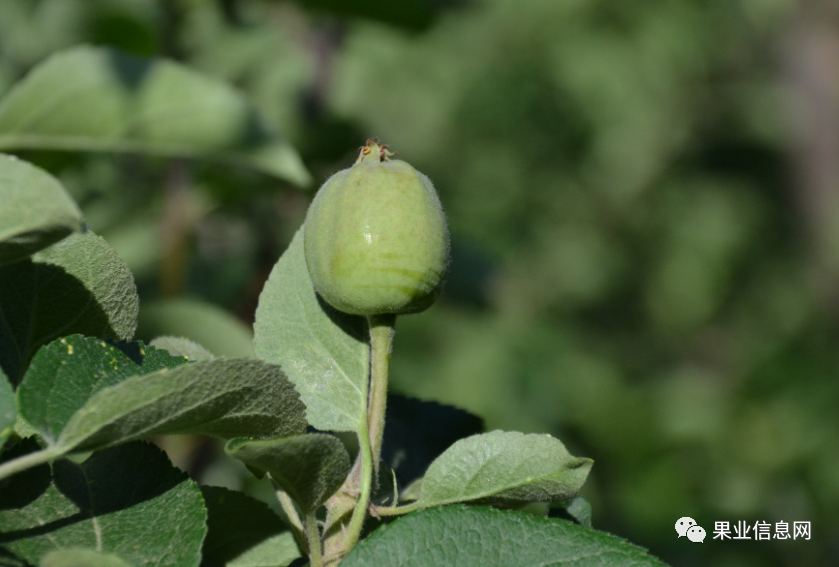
(324, 352)
(8, 409)
(36, 211)
(310, 467)
(504, 467)
(79, 285)
(90, 98)
(208, 325)
(485, 537)
(225, 398)
(81, 558)
(127, 501)
(243, 532)
(65, 374)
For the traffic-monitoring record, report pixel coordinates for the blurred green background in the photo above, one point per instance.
(644, 204)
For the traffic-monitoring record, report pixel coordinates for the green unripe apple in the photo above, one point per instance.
(375, 238)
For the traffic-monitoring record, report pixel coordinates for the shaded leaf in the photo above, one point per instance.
(98, 99)
(484, 537)
(102, 504)
(36, 210)
(504, 467)
(8, 409)
(204, 323)
(79, 285)
(243, 532)
(324, 352)
(179, 346)
(224, 398)
(417, 432)
(81, 558)
(17, 491)
(65, 374)
(577, 509)
(310, 467)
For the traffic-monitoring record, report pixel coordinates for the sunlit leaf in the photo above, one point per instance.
(99, 99)
(324, 352)
(504, 467)
(36, 211)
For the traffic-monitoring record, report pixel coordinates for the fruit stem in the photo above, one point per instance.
(381, 344)
(313, 533)
(360, 512)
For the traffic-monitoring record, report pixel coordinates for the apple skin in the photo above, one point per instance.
(375, 238)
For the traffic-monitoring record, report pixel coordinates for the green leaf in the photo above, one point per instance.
(8, 409)
(209, 326)
(98, 99)
(81, 558)
(243, 532)
(224, 398)
(310, 467)
(324, 352)
(504, 467)
(485, 537)
(179, 346)
(578, 509)
(127, 501)
(79, 285)
(65, 374)
(36, 210)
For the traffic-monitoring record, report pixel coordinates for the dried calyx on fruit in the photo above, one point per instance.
(376, 240)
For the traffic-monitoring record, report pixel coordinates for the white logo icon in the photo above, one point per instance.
(684, 524)
(696, 534)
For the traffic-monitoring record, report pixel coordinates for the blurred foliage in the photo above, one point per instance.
(636, 266)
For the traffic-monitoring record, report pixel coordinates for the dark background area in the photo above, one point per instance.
(644, 205)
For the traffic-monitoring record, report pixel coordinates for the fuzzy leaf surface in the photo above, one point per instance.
(36, 211)
(485, 537)
(223, 398)
(97, 99)
(79, 285)
(8, 409)
(325, 352)
(127, 501)
(81, 558)
(243, 532)
(65, 374)
(503, 467)
(310, 467)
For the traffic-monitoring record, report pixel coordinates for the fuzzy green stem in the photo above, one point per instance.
(293, 518)
(360, 512)
(28, 461)
(313, 533)
(381, 343)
